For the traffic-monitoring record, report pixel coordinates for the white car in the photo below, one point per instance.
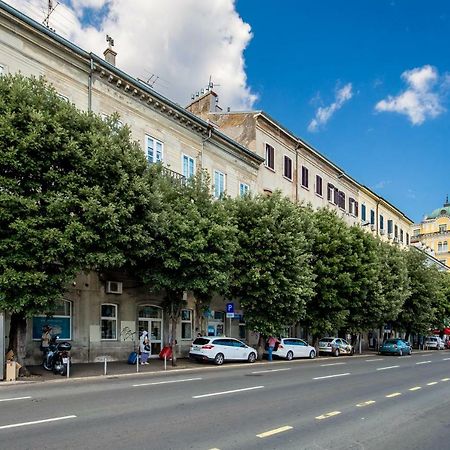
(434, 342)
(290, 348)
(220, 349)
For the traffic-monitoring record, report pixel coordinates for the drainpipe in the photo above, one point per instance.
(91, 71)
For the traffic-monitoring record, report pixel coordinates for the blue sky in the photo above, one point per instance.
(303, 53)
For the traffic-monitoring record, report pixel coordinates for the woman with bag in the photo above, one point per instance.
(144, 347)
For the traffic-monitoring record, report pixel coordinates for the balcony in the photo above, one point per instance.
(174, 175)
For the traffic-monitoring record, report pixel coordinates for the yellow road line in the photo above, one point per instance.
(415, 388)
(445, 379)
(395, 394)
(326, 415)
(432, 383)
(275, 431)
(369, 402)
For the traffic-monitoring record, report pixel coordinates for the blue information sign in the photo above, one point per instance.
(230, 307)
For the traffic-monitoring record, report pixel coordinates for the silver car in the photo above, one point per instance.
(335, 346)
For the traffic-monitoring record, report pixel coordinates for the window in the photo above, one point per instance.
(341, 200)
(445, 247)
(396, 231)
(336, 196)
(287, 167)
(186, 324)
(381, 222)
(270, 157)
(330, 192)
(60, 320)
(108, 321)
(401, 235)
(153, 149)
(363, 213)
(442, 228)
(188, 166)
(305, 176)
(219, 183)
(439, 247)
(390, 226)
(372, 217)
(407, 239)
(416, 232)
(319, 185)
(244, 189)
(352, 206)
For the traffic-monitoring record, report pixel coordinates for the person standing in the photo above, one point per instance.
(271, 342)
(144, 348)
(45, 339)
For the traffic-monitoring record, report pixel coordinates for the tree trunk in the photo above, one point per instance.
(408, 333)
(174, 341)
(18, 340)
(260, 347)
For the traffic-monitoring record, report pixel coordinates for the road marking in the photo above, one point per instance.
(332, 376)
(395, 394)
(333, 364)
(228, 392)
(369, 402)
(55, 419)
(326, 415)
(15, 398)
(416, 388)
(445, 379)
(275, 431)
(166, 382)
(445, 359)
(425, 355)
(376, 359)
(423, 362)
(388, 367)
(432, 383)
(272, 370)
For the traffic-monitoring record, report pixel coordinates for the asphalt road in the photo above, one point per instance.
(369, 402)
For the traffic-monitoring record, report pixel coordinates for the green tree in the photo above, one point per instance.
(193, 243)
(71, 198)
(272, 276)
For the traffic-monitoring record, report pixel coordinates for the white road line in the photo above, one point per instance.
(423, 362)
(432, 383)
(395, 394)
(445, 379)
(416, 388)
(272, 370)
(332, 376)
(376, 359)
(330, 414)
(228, 392)
(425, 355)
(369, 402)
(388, 367)
(333, 364)
(166, 382)
(15, 398)
(445, 359)
(275, 431)
(35, 422)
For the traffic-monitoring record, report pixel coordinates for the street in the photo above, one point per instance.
(367, 401)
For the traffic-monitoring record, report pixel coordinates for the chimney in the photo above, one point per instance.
(109, 53)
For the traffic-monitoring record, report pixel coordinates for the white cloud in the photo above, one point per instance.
(421, 100)
(382, 184)
(182, 42)
(324, 114)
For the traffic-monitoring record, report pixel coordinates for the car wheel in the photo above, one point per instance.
(400, 353)
(312, 354)
(289, 356)
(337, 352)
(251, 358)
(219, 359)
(410, 351)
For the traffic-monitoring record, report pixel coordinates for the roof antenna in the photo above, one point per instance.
(50, 9)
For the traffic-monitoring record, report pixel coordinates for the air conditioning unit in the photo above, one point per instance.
(390, 235)
(113, 287)
(382, 232)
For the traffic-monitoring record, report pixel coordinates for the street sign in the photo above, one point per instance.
(230, 315)
(230, 308)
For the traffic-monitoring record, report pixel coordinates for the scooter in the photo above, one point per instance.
(57, 358)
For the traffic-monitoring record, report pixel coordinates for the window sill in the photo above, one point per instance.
(270, 168)
(319, 195)
(287, 178)
(304, 187)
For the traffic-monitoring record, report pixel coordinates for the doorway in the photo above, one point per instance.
(150, 319)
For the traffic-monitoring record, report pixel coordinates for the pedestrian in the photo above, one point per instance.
(45, 339)
(271, 342)
(144, 348)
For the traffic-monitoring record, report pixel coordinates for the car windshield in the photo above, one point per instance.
(327, 340)
(201, 341)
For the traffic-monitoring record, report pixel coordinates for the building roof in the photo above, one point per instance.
(443, 211)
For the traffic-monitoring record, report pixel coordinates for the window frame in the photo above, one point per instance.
(319, 181)
(285, 166)
(114, 319)
(56, 316)
(305, 176)
(216, 193)
(363, 212)
(155, 141)
(245, 191)
(269, 157)
(189, 158)
(184, 321)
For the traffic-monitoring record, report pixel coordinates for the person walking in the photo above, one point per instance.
(144, 348)
(271, 342)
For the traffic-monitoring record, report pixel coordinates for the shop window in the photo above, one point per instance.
(186, 324)
(60, 320)
(108, 321)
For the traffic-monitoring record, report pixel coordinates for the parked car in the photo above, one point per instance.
(221, 349)
(395, 346)
(335, 346)
(434, 342)
(290, 348)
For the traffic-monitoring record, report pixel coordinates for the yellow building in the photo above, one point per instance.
(433, 233)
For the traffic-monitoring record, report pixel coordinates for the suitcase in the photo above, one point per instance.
(132, 359)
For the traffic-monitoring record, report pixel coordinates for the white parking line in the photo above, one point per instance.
(376, 359)
(15, 398)
(333, 364)
(423, 362)
(166, 382)
(332, 376)
(35, 422)
(388, 367)
(275, 431)
(228, 392)
(395, 394)
(425, 355)
(272, 370)
(327, 415)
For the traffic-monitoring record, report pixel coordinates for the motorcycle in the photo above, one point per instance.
(57, 358)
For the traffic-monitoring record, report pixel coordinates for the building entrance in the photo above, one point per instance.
(150, 319)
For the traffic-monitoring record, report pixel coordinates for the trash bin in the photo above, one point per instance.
(12, 370)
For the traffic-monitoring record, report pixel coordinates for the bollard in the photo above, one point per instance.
(165, 362)
(137, 363)
(105, 367)
(68, 367)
